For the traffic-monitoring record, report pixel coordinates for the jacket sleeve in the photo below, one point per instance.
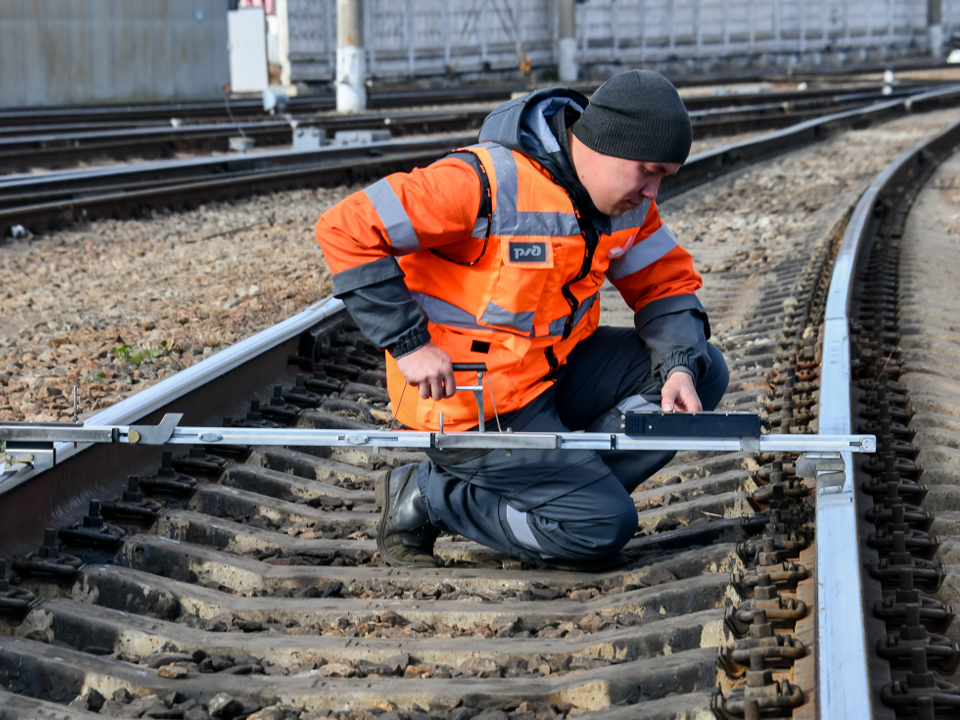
(362, 236)
(657, 280)
(677, 342)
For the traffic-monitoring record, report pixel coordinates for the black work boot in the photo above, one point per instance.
(405, 535)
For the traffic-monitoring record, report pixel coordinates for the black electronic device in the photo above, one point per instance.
(702, 424)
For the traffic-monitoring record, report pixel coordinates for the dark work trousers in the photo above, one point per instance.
(568, 504)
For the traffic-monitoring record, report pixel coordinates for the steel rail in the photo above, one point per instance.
(244, 108)
(156, 397)
(31, 147)
(37, 201)
(33, 138)
(843, 681)
(87, 179)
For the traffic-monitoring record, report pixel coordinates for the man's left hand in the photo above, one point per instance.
(679, 394)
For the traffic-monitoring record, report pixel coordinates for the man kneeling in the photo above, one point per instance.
(502, 248)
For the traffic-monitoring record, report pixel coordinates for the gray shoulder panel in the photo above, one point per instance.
(403, 238)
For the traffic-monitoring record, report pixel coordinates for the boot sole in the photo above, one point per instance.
(382, 491)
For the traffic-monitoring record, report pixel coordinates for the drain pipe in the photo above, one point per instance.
(351, 62)
(567, 66)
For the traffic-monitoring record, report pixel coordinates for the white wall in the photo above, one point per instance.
(409, 38)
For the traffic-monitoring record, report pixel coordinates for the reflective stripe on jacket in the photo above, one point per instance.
(516, 295)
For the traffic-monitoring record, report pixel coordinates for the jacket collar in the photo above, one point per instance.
(536, 125)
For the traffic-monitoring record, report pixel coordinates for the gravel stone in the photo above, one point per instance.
(481, 667)
(90, 700)
(172, 672)
(268, 713)
(342, 669)
(122, 695)
(225, 706)
(156, 661)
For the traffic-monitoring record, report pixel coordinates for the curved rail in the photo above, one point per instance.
(842, 650)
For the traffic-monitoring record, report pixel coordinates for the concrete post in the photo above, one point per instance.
(351, 61)
(935, 28)
(283, 40)
(567, 67)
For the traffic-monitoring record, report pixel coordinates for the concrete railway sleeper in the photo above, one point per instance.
(254, 590)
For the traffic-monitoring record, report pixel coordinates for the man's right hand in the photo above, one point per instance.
(430, 369)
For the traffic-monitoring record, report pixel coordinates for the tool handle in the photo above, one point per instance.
(469, 367)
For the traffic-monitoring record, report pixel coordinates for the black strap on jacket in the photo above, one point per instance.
(486, 202)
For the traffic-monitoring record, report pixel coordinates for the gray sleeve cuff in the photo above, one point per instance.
(669, 305)
(676, 342)
(682, 369)
(363, 275)
(389, 316)
(409, 342)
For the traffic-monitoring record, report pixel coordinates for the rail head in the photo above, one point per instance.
(158, 396)
(843, 681)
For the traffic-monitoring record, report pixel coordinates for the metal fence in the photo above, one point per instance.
(55, 52)
(410, 38)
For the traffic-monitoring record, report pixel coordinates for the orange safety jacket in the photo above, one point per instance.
(509, 290)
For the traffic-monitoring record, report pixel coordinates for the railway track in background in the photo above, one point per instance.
(50, 200)
(45, 145)
(257, 577)
(218, 110)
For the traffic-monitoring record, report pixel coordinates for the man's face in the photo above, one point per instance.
(617, 185)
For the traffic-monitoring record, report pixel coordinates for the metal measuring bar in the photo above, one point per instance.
(169, 432)
(32, 445)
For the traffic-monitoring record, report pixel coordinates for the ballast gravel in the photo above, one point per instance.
(114, 306)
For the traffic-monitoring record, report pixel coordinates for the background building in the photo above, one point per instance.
(57, 52)
(82, 51)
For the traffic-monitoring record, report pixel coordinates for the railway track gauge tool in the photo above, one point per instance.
(30, 446)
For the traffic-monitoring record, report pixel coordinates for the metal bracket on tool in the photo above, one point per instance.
(154, 434)
(442, 440)
(828, 469)
(33, 455)
(477, 389)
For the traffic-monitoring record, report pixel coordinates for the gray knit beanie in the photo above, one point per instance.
(637, 115)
